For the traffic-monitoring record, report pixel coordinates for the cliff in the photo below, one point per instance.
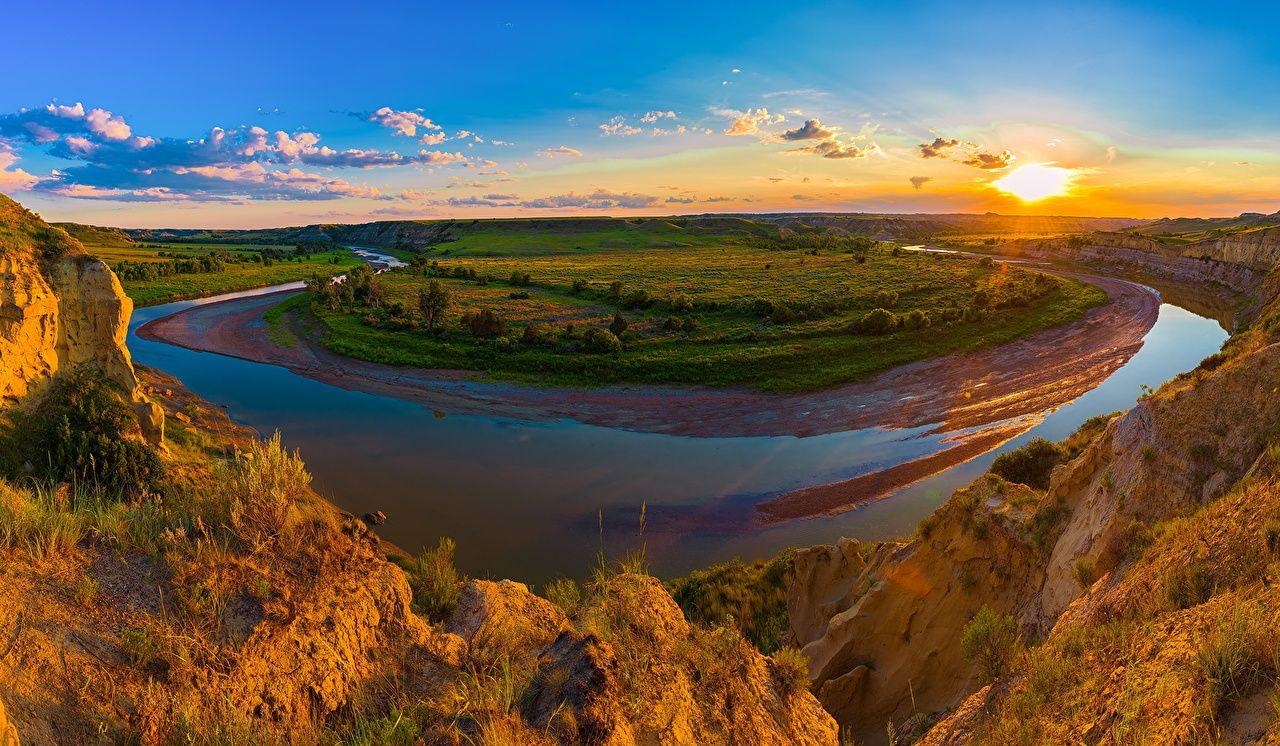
(1141, 546)
(59, 309)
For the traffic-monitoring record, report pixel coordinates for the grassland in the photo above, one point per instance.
(244, 268)
(720, 313)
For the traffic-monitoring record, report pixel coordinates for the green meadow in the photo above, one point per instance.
(588, 309)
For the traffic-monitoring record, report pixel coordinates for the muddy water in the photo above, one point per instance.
(534, 500)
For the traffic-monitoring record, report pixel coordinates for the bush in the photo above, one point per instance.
(879, 321)
(601, 340)
(618, 325)
(263, 490)
(791, 667)
(681, 304)
(886, 299)
(520, 279)
(1031, 464)
(750, 596)
(578, 286)
(989, 640)
(914, 320)
(537, 333)
(83, 433)
(690, 324)
(484, 323)
(435, 580)
(671, 323)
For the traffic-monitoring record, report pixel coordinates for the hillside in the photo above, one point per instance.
(95, 235)
(645, 232)
(188, 586)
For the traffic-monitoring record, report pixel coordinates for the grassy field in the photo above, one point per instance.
(719, 314)
(243, 273)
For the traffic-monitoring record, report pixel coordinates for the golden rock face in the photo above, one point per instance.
(67, 313)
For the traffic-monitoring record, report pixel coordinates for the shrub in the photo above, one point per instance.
(1236, 657)
(601, 340)
(82, 433)
(578, 286)
(140, 646)
(681, 304)
(671, 323)
(520, 279)
(989, 640)
(1031, 464)
(618, 325)
(879, 321)
(690, 324)
(435, 580)
(537, 333)
(263, 490)
(783, 314)
(886, 299)
(615, 290)
(791, 668)
(749, 596)
(484, 323)
(1085, 572)
(914, 320)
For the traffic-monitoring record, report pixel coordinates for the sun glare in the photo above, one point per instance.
(1036, 181)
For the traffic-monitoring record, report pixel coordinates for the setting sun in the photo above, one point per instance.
(1036, 181)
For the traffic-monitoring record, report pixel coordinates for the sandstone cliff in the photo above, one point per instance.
(883, 624)
(58, 309)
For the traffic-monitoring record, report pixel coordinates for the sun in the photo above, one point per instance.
(1036, 181)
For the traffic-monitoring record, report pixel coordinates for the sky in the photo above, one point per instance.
(251, 114)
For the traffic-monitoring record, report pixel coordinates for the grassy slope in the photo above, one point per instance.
(730, 347)
(235, 277)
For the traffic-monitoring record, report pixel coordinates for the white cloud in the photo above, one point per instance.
(564, 150)
(618, 127)
(404, 123)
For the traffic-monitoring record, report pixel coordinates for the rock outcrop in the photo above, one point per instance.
(883, 624)
(8, 733)
(59, 309)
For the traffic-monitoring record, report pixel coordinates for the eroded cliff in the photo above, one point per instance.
(60, 309)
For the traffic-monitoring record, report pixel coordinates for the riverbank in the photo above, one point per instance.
(1038, 372)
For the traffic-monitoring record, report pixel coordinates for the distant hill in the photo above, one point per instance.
(1196, 229)
(419, 234)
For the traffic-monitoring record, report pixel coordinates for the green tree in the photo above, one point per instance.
(432, 303)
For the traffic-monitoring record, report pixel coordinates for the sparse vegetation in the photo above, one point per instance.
(990, 641)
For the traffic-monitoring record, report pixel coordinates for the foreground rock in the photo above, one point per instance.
(59, 309)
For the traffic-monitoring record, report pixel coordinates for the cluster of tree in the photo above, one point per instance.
(813, 242)
(360, 288)
(186, 265)
(883, 321)
(1012, 288)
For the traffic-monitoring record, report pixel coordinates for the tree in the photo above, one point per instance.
(433, 302)
(618, 325)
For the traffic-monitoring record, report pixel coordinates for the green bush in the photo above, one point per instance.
(84, 433)
(601, 340)
(886, 299)
(989, 640)
(435, 580)
(1031, 464)
(914, 320)
(879, 321)
(791, 668)
(751, 596)
(618, 325)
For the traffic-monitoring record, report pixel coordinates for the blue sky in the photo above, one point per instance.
(1168, 108)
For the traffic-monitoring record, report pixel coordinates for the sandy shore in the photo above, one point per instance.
(1023, 379)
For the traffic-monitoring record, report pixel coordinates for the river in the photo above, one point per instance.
(535, 500)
